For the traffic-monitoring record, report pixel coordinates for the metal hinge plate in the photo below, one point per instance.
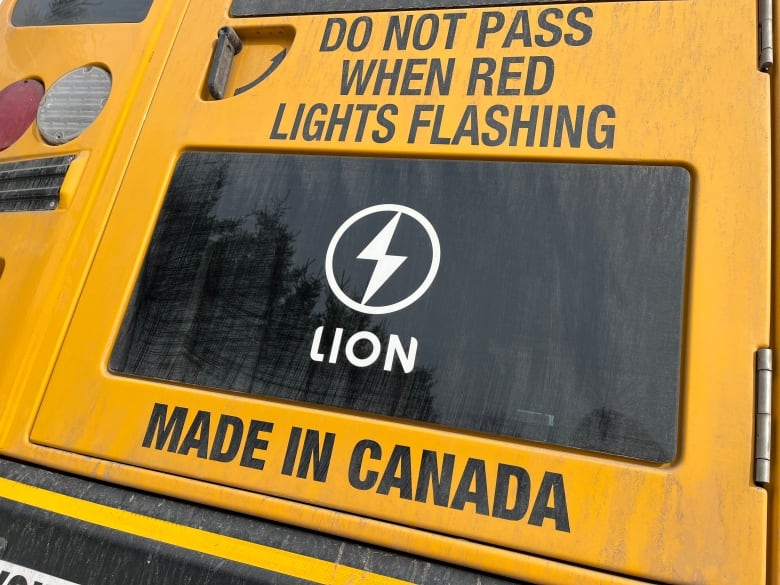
(763, 415)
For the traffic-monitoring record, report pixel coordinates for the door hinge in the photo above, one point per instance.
(765, 46)
(763, 415)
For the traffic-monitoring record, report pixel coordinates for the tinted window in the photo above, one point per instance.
(249, 8)
(51, 12)
(554, 313)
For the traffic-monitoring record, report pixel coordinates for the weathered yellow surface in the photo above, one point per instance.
(669, 82)
(47, 255)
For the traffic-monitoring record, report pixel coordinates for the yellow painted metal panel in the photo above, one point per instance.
(47, 255)
(679, 96)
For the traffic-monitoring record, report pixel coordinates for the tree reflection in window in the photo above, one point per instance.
(220, 303)
(555, 315)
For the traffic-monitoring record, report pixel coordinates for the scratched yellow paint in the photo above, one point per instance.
(48, 254)
(682, 80)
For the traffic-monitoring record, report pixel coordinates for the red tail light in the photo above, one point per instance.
(18, 107)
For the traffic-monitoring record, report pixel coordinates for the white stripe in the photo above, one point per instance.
(28, 575)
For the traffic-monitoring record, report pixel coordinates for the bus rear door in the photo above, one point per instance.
(483, 283)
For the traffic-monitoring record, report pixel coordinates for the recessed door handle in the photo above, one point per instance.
(228, 46)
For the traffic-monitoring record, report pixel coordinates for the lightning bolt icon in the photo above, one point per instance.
(386, 264)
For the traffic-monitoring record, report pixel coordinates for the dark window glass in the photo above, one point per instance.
(250, 8)
(53, 12)
(554, 315)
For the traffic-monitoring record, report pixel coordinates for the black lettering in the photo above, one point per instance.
(544, 137)
(436, 137)
(474, 473)
(356, 464)
(236, 427)
(573, 128)
(429, 475)
(519, 29)
(364, 110)
(398, 473)
(468, 127)
(507, 74)
(579, 25)
(482, 69)
(531, 75)
(356, 76)
(292, 451)
(529, 125)
(522, 481)
(385, 122)
(552, 483)
(310, 455)
(453, 19)
(275, 134)
(419, 32)
(491, 23)
(297, 122)
(3, 577)
(492, 123)
(18, 580)
(436, 76)
(354, 45)
(544, 23)
(312, 129)
(165, 428)
(443, 80)
(342, 121)
(394, 30)
(198, 435)
(607, 139)
(340, 25)
(254, 443)
(418, 121)
(410, 75)
(391, 76)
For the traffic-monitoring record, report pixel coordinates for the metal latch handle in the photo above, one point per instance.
(228, 45)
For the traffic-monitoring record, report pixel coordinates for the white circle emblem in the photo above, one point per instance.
(386, 263)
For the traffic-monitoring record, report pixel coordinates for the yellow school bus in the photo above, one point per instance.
(388, 291)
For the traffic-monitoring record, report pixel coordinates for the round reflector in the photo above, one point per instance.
(73, 103)
(18, 104)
